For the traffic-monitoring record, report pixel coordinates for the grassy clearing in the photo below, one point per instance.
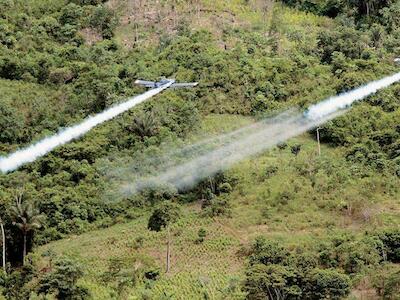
(145, 24)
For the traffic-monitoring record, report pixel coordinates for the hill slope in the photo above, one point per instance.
(214, 268)
(61, 61)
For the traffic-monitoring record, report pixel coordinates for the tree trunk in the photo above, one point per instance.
(4, 245)
(168, 250)
(24, 251)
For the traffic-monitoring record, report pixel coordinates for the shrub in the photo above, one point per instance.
(62, 281)
(11, 68)
(266, 252)
(201, 235)
(282, 146)
(160, 193)
(271, 282)
(391, 16)
(103, 18)
(216, 207)
(295, 149)
(70, 14)
(127, 271)
(350, 254)
(347, 40)
(326, 284)
(225, 187)
(11, 124)
(14, 283)
(270, 171)
(391, 242)
(353, 256)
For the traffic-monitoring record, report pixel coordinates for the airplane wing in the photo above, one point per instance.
(153, 84)
(145, 83)
(184, 84)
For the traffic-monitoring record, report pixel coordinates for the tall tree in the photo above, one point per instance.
(162, 217)
(3, 235)
(27, 218)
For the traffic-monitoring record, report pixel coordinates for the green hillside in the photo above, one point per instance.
(215, 267)
(285, 224)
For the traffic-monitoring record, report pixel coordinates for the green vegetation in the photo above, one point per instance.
(287, 224)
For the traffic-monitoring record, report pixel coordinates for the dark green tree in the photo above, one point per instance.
(27, 218)
(162, 217)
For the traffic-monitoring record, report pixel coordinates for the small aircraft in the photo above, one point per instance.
(157, 84)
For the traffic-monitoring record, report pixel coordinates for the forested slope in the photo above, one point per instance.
(61, 61)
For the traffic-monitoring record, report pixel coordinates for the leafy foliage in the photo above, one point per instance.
(274, 272)
(62, 281)
(61, 61)
(163, 216)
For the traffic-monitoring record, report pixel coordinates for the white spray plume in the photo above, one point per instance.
(347, 99)
(30, 154)
(183, 169)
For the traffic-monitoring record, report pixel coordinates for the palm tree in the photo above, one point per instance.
(4, 244)
(27, 218)
(145, 125)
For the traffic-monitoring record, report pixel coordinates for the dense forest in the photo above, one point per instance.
(287, 224)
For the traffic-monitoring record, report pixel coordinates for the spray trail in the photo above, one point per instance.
(183, 172)
(30, 154)
(222, 152)
(347, 99)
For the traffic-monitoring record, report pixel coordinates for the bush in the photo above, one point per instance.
(225, 187)
(391, 16)
(270, 171)
(103, 18)
(326, 284)
(160, 193)
(266, 252)
(70, 14)
(295, 149)
(62, 281)
(346, 40)
(201, 235)
(216, 207)
(271, 282)
(391, 242)
(351, 255)
(16, 283)
(282, 146)
(386, 281)
(11, 124)
(11, 68)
